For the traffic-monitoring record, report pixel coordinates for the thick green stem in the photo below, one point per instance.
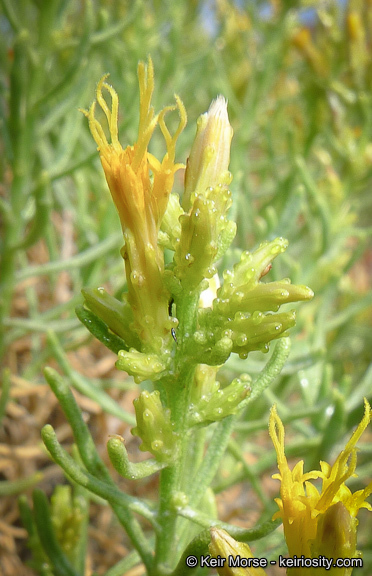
(171, 478)
(178, 385)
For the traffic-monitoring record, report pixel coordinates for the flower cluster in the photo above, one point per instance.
(162, 326)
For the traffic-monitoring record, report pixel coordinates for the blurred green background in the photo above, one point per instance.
(298, 79)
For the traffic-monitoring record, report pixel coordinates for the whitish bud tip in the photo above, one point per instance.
(218, 109)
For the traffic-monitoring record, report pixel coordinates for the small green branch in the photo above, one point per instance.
(212, 459)
(124, 565)
(271, 370)
(239, 533)
(82, 436)
(10, 487)
(132, 471)
(75, 262)
(122, 504)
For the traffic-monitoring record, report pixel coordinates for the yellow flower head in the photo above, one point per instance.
(140, 200)
(140, 186)
(308, 514)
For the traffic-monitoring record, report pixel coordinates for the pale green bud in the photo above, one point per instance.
(209, 402)
(205, 236)
(118, 316)
(242, 290)
(225, 230)
(170, 229)
(251, 267)
(244, 333)
(205, 231)
(241, 312)
(209, 159)
(140, 365)
(263, 297)
(254, 331)
(154, 426)
(198, 247)
(205, 382)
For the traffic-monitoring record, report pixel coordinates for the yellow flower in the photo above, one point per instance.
(309, 515)
(140, 201)
(140, 186)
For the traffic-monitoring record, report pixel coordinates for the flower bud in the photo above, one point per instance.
(198, 247)
(206, 233)
(242, 290)
(154, 426)
(209, 159)
(140, 365)
(224, 546)
(320, 523)
(117, 315)
(209, 402)
(140, 186)
(170, 229)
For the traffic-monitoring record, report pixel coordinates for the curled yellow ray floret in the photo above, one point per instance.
(128, 170)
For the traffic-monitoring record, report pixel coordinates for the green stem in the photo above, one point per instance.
(20, 130)
(239, 533)
(106, 490)
(80, 550)
(75, 262)
(212, 459)
(204, 475)
(30, 325)
(171, 477)
(132, 471)
(270, 371)
(10, 487)
(124, 565)
(178, 386)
